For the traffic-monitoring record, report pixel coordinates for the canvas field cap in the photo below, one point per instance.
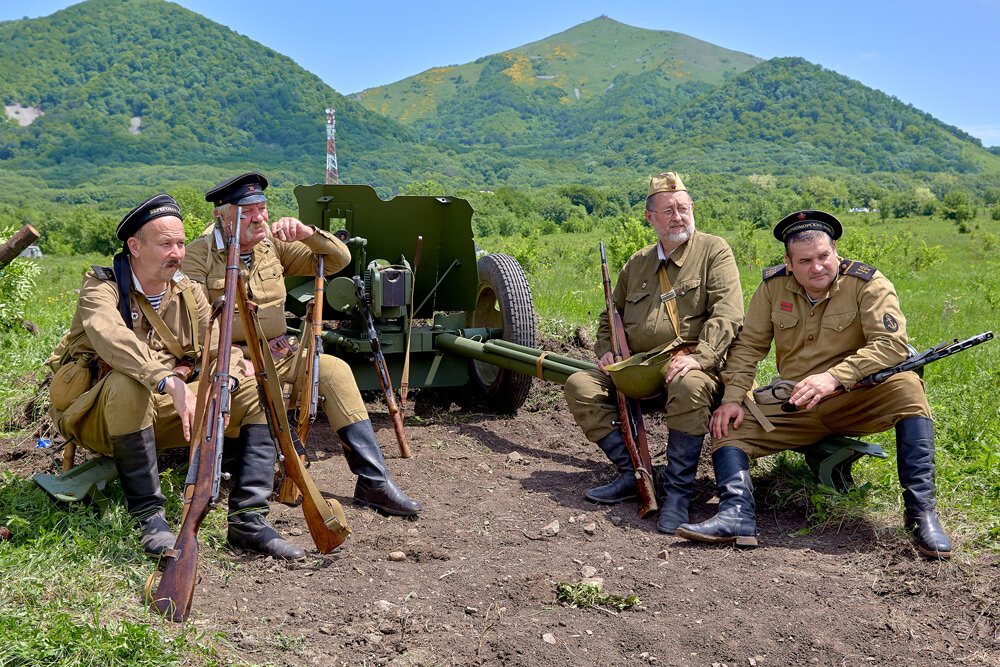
(668, 181)
(240, 190)
(801, 221)
(151, 209)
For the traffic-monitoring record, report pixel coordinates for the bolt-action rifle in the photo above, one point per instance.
(629, 414)
(180, 564)
(309, 394)
(383, 372)
(945, 349)
(325, 519)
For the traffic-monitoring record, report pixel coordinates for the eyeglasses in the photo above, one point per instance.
(683, 209)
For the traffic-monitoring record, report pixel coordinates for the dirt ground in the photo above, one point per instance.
(478, 583)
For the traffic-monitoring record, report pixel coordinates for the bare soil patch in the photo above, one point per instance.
(478, 582)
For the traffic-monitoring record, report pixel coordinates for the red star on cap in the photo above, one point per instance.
(249, 188)
(802, 216)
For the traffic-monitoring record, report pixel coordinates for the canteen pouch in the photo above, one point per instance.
(71, 380)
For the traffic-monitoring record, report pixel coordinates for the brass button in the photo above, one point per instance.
(811, 313)
(810, 337)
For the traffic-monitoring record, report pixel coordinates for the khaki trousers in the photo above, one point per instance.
(854, 413)
(341, 398)
(688, 403)
(118, 405)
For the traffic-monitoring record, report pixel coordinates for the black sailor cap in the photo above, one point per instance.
(801, 221)
(239, 190)
(151, 209)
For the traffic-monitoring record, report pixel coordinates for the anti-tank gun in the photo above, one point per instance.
(473, 318)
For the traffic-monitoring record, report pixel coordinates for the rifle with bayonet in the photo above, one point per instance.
(175, 591)
(940, 351)
(382, 370)
(325, 519)
(629, 415)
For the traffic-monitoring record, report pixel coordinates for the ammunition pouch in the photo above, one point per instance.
(74, 378)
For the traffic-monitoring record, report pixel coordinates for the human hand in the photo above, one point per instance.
(290, 229)
(185, 403)
(679, 365)
(725, 413)
(606, 360)
(812, 390)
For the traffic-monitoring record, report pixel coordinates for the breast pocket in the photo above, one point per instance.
(636, 309)
(784, 321)
(690, 297)
(839, 321)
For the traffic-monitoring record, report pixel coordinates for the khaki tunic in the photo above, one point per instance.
(704, 276)
(855, 329)
(125, 401)
(205, 262)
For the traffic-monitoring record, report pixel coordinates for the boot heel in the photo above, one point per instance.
(746, 541)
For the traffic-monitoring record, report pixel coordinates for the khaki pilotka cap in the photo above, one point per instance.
(668, 181)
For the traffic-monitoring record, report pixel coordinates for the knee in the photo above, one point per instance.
(585, 387)
(125, 395)
(697, 389)
(335, 373)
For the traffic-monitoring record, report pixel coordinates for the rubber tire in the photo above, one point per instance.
(503, 300)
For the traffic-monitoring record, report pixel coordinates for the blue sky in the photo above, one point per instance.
(942, 57)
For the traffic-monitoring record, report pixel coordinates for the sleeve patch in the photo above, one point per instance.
(849, 267)
(890, 323)
(772, 271)
(103, 272)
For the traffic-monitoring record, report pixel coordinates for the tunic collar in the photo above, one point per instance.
(678, 254)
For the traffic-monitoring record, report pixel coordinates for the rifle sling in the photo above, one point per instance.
(669, 298)
(161, 329)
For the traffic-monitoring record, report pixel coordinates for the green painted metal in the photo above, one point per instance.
(515, 360)
(83, 482)
(831, 459)
(391, 229)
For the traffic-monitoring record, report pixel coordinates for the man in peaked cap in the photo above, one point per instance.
(136, 330)
(681, 293)
(833, 321)
(270, 252)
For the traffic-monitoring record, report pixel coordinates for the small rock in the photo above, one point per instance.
(326, 630)
(514, 458)
(607, 556)
(695, 571)
(412, 531)
(549, 638)
(664, 554)
(471, 611)
(752, 662)
(373, 638)
(588, 571)
(590, 528)
(572, 519)
(551, 528)
(616, 520)
(397, 556)
(295, 531)
(384, 606)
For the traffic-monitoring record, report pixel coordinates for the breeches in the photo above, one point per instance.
(854, 413)
(688, 404)
(341, 399)
(118, 405)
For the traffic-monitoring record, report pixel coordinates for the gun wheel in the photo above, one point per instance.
(503, 301)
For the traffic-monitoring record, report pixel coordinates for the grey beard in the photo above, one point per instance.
(679, 237)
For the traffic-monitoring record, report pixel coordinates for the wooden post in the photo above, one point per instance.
(18, 242)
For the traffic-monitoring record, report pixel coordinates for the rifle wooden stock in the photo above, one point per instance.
(629, 415)
(383, 372)
(180, 564)
(325, 519)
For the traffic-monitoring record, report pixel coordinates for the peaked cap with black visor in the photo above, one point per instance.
(802, 221)
(240, 190)
(155, 207)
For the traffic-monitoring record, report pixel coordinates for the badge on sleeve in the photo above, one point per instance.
(890, 323)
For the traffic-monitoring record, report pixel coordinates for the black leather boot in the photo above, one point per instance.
(251, 460)
(677, 483)
(735, 521)
(915, 462)
(375, 487)
(622, 488)
(135, 459)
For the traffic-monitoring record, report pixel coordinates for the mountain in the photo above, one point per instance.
(558, 86)
(122, 81)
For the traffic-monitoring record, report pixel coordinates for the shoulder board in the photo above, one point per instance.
(178, 276)
(772, 271)
(849, 267)
(103, 272)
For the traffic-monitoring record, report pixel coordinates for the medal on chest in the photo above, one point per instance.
(135, 314)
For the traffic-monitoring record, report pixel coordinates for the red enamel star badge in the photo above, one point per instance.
(802, 216)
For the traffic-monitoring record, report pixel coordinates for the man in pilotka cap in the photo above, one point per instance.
(136, 332)
(682, 294)
(833, 321)
(268, 253)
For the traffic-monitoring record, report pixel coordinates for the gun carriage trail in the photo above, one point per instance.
(473, 580)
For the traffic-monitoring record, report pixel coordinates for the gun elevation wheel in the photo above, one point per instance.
(503, 301)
